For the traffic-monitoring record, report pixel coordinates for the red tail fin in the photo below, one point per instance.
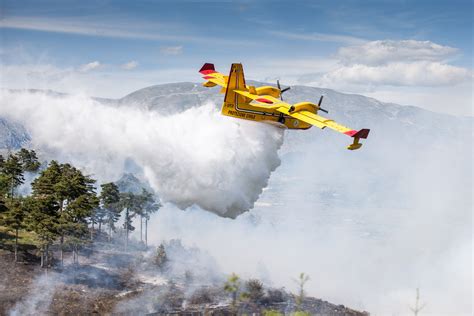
(207, 68)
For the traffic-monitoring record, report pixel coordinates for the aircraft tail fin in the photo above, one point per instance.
(236, 81)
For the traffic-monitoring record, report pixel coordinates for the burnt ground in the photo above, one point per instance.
(108, 282)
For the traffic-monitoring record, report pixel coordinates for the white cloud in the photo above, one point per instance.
(171, 50)
(89, 66)
(420, 73)
(130, 65)
(387, 51)
(407, 63)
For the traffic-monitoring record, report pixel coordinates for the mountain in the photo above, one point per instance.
(12, 135)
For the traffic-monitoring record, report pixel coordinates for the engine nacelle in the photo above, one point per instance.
(268, 90)
(303, 106)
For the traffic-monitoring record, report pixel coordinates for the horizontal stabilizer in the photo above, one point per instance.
(207, 68)
(363, 133)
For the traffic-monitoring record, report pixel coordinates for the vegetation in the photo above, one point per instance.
(161, 258)
(254, 291)
(232, 286)
(62, 205)
(302, 280)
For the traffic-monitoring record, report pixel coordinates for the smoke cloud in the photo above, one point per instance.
(194, 157)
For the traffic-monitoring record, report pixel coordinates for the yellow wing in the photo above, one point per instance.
(307, 112)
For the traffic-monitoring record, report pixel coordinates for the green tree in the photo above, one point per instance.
(43, 220)
(161, 258)
(131, 204)
(28, 160)
(254, 290)
(148, 206)
(232, 286)
(75, 195)
(13, 219)
(12, 172)
(75, 220)
(110, 203)
(65, 199)
(301, 281)
(4, 189)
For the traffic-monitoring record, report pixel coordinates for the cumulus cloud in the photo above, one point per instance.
(420, 73)
(394, 63)
(171, 50)
(388, 51)
(130, 65)
(89, 66)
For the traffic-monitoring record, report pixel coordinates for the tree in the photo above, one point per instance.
(75, 194)
(13, 219)
(254, 290)
(75, 224)
(12, 171)
(4, 189)
(110, 203)
(301, 281)
(161, 258)
(65, 199)
(28, 160)
(131, 204)
(43, 220)
(232, 286)
(418, 307)
(150, 206)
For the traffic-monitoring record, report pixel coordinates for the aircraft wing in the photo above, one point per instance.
(307, 116)
(322, 122)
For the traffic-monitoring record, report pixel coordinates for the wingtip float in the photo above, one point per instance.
(265, 104)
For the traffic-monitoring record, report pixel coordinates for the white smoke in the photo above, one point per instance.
(194, 157)
(38, 298)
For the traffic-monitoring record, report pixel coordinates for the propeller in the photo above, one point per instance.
(319, 105)
(281, 91)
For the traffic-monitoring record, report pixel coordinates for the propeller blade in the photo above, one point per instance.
(319, 105)
(278, 85)
(286, 89)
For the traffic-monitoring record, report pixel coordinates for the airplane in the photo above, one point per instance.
(265, 104)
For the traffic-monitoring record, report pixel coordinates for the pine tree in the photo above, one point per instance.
(28, 160)
(150, 206)
(110, 203)
(12, 170)
(13, 219)
(43, 220)
(65, 198)
(4, 189)
(161, 258)
(130, 203)
(44, 215)
(76, 198)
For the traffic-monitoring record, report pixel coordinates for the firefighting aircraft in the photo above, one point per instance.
(265, 104)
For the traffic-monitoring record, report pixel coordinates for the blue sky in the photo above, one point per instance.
(422, 50)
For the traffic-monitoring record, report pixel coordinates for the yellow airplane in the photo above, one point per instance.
(265, 104)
